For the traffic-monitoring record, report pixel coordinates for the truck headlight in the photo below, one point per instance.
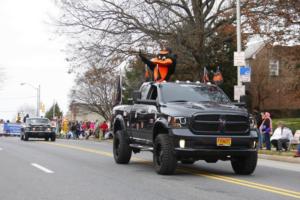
(177, 122)
(182, 143)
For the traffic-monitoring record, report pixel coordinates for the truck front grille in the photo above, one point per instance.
(39, 128)
(220, 124)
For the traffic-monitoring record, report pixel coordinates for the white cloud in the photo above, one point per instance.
(28, 53)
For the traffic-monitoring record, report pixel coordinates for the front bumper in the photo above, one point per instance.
(39, 134)
(205, 146)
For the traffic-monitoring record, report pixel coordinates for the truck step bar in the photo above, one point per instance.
(141, 147)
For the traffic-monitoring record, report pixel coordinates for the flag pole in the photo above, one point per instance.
(120, 84)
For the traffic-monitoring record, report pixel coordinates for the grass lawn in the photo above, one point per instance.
(292, 123)
(277, 153)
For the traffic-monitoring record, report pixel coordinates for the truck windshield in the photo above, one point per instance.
(37, 121)
(192, 93)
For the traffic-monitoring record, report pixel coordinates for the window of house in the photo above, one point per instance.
(274, 67)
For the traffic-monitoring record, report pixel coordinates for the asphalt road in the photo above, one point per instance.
(71, 170)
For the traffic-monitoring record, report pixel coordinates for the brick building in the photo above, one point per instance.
(275, 79)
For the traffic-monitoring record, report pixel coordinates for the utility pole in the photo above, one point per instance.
(38, 97)
(53, 109)
(239, 56)
(238, 35)
(38, 100)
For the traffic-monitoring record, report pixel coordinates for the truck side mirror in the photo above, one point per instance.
(136, 95)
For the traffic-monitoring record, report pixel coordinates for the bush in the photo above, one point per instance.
(292, 123)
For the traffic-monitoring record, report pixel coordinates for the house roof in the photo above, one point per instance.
(253, 48)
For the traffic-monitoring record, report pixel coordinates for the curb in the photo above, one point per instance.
(279, 158)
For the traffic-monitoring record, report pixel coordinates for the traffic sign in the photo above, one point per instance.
(239, 59)
(239, 90)
(245, 74)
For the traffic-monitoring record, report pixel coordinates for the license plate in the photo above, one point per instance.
(224, 142)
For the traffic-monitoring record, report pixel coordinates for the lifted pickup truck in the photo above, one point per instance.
(184, 122)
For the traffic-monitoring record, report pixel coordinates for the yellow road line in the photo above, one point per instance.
(257, 184)
(102, 153)
(236, 181)
(249, 184)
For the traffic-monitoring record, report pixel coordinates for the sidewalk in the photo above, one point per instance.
(278, 156)
(289, 159)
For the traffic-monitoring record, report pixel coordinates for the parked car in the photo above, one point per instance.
(184, 122)
(37, 128)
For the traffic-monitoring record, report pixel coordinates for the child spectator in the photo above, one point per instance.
(104, 128)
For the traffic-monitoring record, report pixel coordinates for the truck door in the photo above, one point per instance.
(150, 115)
(137, 116)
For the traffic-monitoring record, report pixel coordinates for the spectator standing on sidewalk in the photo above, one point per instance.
(77, 126)
(24, 119)
(266, 129)
(83, 127)
(97, 129)
(89, 127)
(258, 121)
(281, 137)
(104, 129)
(297, 154)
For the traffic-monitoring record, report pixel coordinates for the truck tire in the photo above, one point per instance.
(53, 138)
(121, 149)
(164, 160)
(26, 137)
(244, 165)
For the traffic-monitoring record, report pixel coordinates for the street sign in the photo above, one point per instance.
(239, 90)
(239, 59)
(245, 74)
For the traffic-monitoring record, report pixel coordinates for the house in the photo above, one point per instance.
(275, 79)
(81, 112)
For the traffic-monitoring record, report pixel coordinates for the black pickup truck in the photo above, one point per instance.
(184, 122)
(37, 128)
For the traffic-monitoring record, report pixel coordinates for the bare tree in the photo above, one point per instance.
(116, 29)
(276, 20)
(96, 90)
(108, 31)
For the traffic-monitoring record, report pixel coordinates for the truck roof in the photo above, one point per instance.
(197, 83)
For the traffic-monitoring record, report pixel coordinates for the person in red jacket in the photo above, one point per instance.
(163, 66)
(104, 128)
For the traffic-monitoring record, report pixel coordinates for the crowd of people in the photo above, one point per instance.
(280, 138)
(84, 129)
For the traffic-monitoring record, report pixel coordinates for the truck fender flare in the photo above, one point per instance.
(119, 123)
(160, 123)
